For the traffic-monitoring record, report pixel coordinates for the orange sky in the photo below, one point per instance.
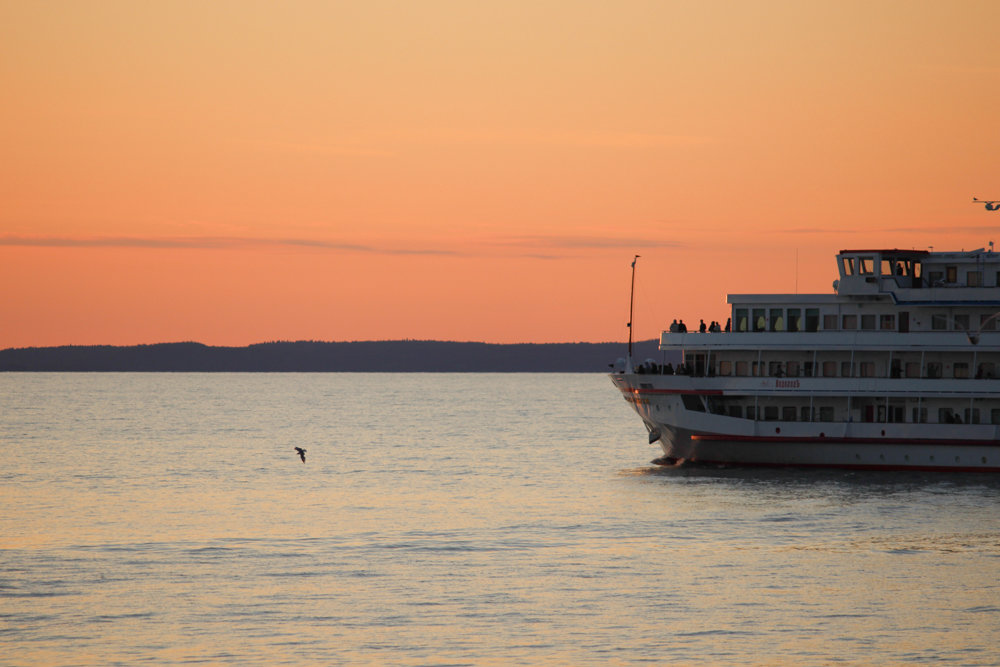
(236, 172)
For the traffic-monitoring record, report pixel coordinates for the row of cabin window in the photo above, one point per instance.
(778, 318)
(865, 369)
(949, 276)
(877, 414)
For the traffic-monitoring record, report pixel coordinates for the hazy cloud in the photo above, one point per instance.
(206, 242)
(584, 241)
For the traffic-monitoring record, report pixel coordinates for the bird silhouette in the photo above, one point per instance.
(302, 453)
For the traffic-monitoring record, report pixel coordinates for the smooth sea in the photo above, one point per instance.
(455, 519)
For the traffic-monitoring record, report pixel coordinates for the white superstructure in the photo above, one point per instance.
(899, 368)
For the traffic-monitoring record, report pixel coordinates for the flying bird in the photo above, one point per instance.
(302, 453)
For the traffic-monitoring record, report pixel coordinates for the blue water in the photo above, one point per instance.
(454, 519)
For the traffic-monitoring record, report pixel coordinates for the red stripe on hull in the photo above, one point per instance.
(712, 437)
(842, 466)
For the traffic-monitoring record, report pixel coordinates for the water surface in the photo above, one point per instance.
(455, 519)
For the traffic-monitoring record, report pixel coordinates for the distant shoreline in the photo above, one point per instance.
(406, 356)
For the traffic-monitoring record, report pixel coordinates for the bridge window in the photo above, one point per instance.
(868, 322)
(829, 322)
(889, 322)
(812, 319)
(867, 266)
(952, 274)
(741, 319)
(794, 319)
(848, 264)
(974, 279)
(850, 322)
(759, 324)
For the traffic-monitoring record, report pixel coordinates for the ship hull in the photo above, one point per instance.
(702, 438)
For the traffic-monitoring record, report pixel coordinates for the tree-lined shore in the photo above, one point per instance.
(317, 356)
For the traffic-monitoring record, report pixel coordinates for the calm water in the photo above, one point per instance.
(454, 519)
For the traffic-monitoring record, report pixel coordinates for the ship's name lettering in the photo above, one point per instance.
(786, 384)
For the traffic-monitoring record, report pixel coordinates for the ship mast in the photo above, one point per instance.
(631, 301)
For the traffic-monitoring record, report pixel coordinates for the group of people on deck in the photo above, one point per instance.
(678, 326)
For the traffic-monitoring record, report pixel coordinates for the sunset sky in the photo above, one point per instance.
(238, 172)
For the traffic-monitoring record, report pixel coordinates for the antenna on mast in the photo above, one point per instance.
(631, 301)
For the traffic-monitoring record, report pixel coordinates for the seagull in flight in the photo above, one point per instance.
(302, 453)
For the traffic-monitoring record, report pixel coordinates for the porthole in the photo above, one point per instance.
(881, 457)
(984, 459)
(857, 456)
(883, 432)
(957, 459)
(932, 458)
(906, 457)
(777, 429)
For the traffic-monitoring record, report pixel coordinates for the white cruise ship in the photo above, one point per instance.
(899, 368)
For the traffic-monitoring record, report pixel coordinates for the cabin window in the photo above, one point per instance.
(867, 265)
(845, 369)
(848, 263)
(826, 414)
(887, 267)
(812, 319)
(974, 279)
(741, 319)
(829, 369)
(985, 370)
(804, 414)
(736, 411)
(867, 369)
(752, 413)
(774, 369)
(829, 322)
(888, 322)
(794, 319)
(961, 323)
(951, 274)
(759, 323)
(939, 322)
(850, 322)
(988, 322)
(757, 368)
(995, 416)
(741, 368)
(868, 322)
(912, 369)
(972, 415)
(933, 369)
(777, 319)
(936, 278)
(771, 413)
(725, 367)
(792, 368)
(919, 415)
(946, 416)
(788, 413)
(693, 402)
(961, 370)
